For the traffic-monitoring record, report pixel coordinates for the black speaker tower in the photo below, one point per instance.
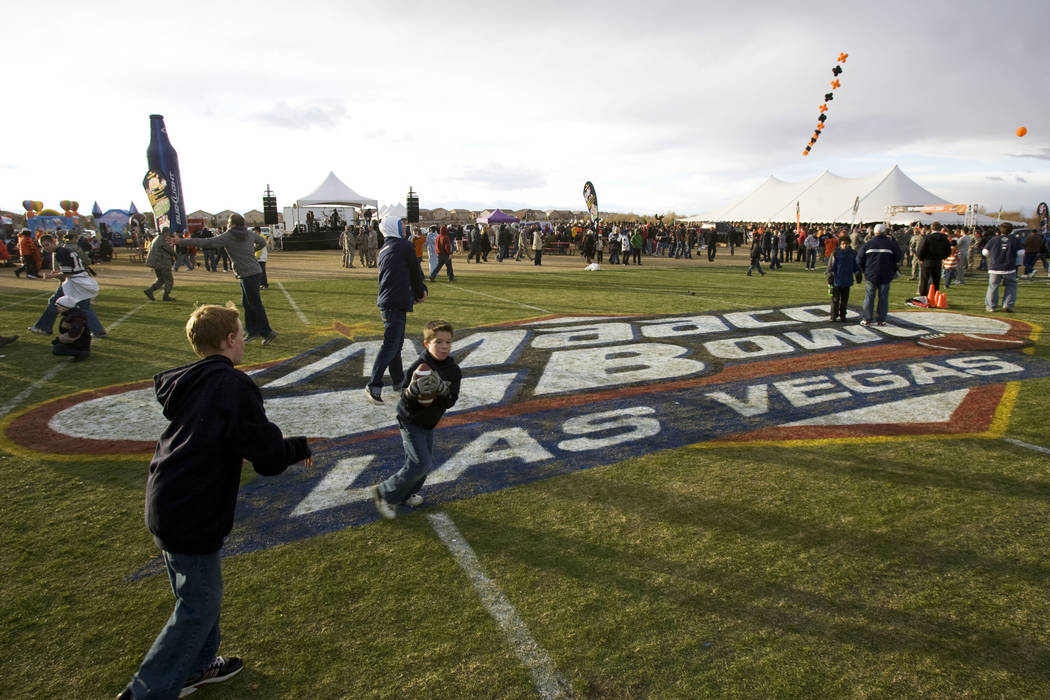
(412, 204)
(269, 208)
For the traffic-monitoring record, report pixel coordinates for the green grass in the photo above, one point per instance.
(910, 568)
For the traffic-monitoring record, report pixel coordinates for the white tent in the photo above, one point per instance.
(332, 192)
(830, 198)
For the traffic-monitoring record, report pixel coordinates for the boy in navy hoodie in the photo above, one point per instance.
(842, 269)
(217, 420)
(431, 388)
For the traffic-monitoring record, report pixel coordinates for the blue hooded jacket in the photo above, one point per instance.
(400, 277)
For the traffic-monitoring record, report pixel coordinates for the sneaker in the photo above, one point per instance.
(38, 331)
(167, 298)
(881, 323)
(7, 339)
(270, 338)
(1008, 309)
(374, 395)
(33, 277)
(149, 294)
(386, 509)
(415, 500)
(18, 273)
(865, 323)
(250, 336)
(221, 669)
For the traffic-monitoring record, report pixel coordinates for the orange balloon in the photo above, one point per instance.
(1021, 131)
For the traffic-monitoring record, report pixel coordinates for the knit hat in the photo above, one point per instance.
(880, 228)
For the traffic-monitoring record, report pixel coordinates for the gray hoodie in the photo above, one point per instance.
(240, 243)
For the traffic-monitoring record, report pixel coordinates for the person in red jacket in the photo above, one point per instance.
(30, 253)
(444, 251)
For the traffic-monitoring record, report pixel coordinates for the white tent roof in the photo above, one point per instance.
(396, 210)
(830, 198)
(332, 192)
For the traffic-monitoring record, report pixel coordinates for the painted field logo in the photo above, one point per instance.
(553, 396)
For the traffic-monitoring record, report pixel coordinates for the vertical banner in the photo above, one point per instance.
(163, 183)
(798, 220)
(591, 198)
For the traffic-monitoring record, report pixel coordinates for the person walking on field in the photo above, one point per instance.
(400, 288)
(443, 246)
(241, 244)
(216, 421)
(160, 259)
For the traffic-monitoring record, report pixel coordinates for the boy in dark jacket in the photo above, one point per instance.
(431, 388)
(217, 420)
(842, 269)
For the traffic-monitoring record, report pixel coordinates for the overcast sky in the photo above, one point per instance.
(666, 106)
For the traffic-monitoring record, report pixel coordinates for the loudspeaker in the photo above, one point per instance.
(412, 204)
(270, 211)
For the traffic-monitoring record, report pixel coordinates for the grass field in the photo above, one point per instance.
(903, 567)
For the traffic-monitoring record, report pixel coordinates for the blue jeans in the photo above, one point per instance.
(1009, 284)
(1029, 262)
(190, 638)
(811, 258)
(870, 290)
(390, 351)
(46, 322)
(211, 259)
(255, 321)
(419, 459)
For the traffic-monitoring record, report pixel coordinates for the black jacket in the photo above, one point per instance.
(217, 420)
(411, 411)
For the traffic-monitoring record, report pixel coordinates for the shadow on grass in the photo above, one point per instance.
(734, 591)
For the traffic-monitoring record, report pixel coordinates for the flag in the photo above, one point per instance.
(96, 210)
(798, 220)
(163, 183)
(132, 210)
(591, 198)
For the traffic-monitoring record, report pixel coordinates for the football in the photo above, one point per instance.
(422, 378)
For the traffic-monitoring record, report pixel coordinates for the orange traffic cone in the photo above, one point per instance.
(942, 300)
(931, 295)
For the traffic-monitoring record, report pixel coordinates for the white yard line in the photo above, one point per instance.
(44, 378)
(490, 296)
(125, 317)
(295, 307)
(548, 682)
(1027, 446)
(28, 299)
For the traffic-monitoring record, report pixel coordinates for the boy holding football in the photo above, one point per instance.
(432, 388)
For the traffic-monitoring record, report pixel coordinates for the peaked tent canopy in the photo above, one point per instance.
(332, 192)
(497, 216)
(829, 198)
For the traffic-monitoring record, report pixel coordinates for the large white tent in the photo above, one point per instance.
(829, 198)
(333, 192)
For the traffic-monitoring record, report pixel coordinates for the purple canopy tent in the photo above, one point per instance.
(497, 216)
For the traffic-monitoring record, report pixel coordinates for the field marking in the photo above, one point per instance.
(509, 301)
(295, 307)
(1028, 446)
(29, 298)
(125, 317)
(44, 378)
(548, 682)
